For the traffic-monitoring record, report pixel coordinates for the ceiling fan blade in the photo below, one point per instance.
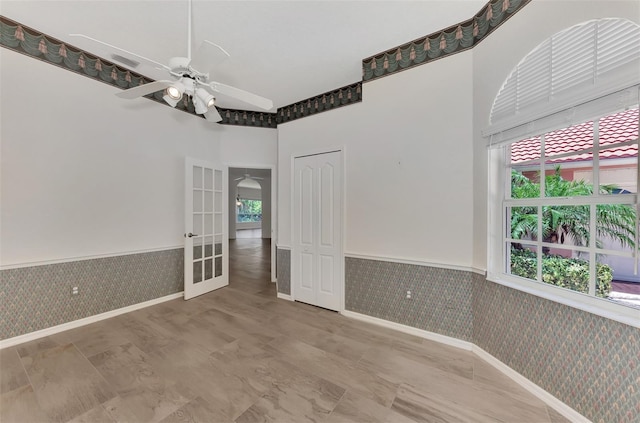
(129, 60)
(244, 96)
(145, 89)
(208, 56)
(212, 115)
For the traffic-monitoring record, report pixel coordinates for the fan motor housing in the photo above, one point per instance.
(179, 64)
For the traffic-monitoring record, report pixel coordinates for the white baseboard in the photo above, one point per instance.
(531, 387)
(10, 342)
(285, 297)
(454, 342)
(534, 389)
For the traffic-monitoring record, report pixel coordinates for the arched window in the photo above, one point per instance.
(563, 142)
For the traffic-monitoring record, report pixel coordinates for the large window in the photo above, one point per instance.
(563, 170)
(249, 210)
(569, 207)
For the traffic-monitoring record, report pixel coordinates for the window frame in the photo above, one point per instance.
(238, 210)
(499, 234)
(544, 92)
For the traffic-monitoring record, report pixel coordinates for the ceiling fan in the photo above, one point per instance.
(248, 176)
(189, 75)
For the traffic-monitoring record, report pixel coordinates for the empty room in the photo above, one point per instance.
(323, 211)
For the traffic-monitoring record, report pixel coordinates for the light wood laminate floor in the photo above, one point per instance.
(241, 355)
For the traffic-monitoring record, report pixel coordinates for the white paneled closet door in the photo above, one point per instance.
(317, 269)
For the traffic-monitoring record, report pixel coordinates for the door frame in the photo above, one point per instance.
(274, 205)
(343, 198)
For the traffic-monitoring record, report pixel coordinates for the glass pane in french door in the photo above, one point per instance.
(197, 248)
(208, 201)
(218, 250)
(197, 271)
(208, 246)
(197, 201)
(197, 224)
(217, 224)
(198, 217)
(218, 266)
(208, 179)
(208, 224)
(197, 177)
(208, 268)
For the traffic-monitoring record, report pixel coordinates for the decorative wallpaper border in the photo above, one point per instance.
(455, 39)
(345, 96)
(452, 40)
(30, 42)
(247, 118)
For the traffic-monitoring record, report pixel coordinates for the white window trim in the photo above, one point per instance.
(547, 91)
(497, 245)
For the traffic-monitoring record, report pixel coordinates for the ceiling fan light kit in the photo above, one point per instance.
(173, 94)
(190, 77)
(203, 100)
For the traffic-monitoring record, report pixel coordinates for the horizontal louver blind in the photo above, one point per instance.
(534, 85)
(573, 58)
(618, 45)
(576, 65)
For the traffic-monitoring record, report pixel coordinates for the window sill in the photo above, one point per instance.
(598, 306)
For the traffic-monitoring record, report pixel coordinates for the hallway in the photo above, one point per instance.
(250, 266)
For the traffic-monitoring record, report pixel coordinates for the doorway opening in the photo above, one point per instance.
(251, 258)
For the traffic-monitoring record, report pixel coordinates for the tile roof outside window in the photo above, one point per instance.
(614, 129)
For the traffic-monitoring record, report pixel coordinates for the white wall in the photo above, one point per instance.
(248, 147)
(408, 156)
(493, 60)
(85, 173)
(252, 148)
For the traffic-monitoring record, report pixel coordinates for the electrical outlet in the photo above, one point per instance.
(74, 290)
(408, 295)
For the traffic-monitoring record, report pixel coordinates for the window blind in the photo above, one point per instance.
(564, 74)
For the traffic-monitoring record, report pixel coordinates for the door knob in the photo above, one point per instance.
(190, 235)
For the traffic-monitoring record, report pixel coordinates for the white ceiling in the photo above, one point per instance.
(283, 50)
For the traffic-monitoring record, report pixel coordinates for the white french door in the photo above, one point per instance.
(206, 247)
(317, 269)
